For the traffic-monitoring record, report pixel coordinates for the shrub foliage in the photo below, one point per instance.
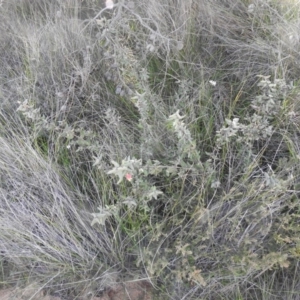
(151, 140)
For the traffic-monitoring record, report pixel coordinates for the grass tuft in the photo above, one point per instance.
(155, 141)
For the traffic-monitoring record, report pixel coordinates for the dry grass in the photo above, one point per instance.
(173, 96)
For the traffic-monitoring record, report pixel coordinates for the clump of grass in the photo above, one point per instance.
(153, 140)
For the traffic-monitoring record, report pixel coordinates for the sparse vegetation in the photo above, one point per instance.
(155, 141)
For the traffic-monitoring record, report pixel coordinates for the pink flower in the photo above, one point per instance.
(128, 176)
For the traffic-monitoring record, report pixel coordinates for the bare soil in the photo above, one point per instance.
(139, 290)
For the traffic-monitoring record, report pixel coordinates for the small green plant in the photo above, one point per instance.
(266, 107)
(138, 196)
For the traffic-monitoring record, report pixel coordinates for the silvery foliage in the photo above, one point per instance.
(141, 192)
(141, 104)
(266, 107)
(186, 145)
(128, 166)
(102, 215)
(28, 110)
